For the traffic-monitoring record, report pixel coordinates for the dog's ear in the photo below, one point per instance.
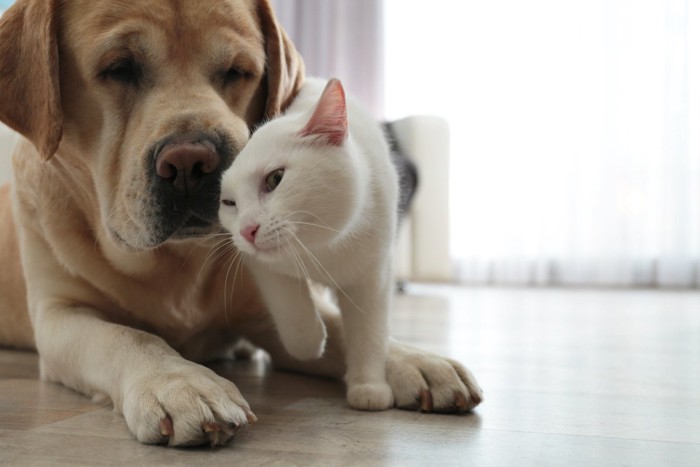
(285, 67)
(29, 92)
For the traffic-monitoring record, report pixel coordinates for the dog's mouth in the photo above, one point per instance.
(194, 222)
(191, 225)
(194, 226)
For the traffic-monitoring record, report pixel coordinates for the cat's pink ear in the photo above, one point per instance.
(329, 121)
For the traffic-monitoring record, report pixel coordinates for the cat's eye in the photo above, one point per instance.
(228, 202)
(273, 179)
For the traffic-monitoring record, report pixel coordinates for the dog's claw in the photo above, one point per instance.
(250, 416)
(426, 401)
(461, 402)
(231, 429)
(166, 426)
(211, 427)
(220, 433)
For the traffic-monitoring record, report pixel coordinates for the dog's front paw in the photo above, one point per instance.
(370, 396)
(185, 404)
(430, 383)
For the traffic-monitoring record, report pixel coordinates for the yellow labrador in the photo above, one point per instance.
(131, 111)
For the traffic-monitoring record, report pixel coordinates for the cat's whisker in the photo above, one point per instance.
(207, 236)
(312, 214)
(215, 250)
(220, 249)
(290, 252)
(239, 263)
(314, 225)
(298, 261)
(320, 267)
(323, 224)
(192, 250)
(204, 238)
(228, 271)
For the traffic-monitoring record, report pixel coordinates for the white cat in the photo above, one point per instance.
(313, 195)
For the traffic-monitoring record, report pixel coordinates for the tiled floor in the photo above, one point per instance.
(571, 377)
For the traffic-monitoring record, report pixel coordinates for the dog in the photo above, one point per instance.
(130, 112)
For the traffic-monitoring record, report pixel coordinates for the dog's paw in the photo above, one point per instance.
(430, 383)
(370, 396)
(185, 404)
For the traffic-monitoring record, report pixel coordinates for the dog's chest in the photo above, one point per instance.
(180, 319)
(187, 315)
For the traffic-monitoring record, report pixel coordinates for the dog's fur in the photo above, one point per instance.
(123, 288)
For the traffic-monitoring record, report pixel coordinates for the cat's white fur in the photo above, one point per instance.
(332, 220)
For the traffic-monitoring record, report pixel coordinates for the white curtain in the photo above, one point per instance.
(575, 134)
(340, 38)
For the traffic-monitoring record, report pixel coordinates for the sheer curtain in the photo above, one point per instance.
(340, 38)
(575, 134)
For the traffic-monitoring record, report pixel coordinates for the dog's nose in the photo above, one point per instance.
(185, 164)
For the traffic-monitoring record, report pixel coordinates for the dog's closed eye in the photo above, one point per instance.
(123, 70)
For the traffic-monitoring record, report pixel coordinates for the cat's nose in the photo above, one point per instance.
(250, 232)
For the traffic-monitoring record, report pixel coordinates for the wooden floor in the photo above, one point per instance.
(589, 378)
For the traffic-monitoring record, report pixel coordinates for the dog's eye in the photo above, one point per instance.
(228, 202)
(125, 71)
(235, 74)
(273, 179)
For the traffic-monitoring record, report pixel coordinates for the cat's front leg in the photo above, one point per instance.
(299, 325)
(365, 309)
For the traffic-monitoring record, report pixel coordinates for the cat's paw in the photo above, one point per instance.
(184, 404)
(310, 349)
(430, 383)
(370, 396)
(306, 343)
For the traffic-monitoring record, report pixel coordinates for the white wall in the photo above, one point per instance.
(7, 142)
(423, 251)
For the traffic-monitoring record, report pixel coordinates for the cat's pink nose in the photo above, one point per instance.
(250, 232)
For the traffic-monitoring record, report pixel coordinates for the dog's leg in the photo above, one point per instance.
(419, 380)
(164, 398)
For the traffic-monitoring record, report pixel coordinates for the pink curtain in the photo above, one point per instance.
(343, 39)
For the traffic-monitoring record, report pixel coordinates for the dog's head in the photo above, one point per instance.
(144, 104)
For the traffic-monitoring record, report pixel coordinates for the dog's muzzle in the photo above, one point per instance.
(186, 183)
(186, 164)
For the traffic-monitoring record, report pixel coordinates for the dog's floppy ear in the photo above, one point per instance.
(285, 67)
(29, 93)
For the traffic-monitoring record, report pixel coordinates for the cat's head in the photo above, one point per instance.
(295, 184)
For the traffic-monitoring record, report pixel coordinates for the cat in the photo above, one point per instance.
(312, 199)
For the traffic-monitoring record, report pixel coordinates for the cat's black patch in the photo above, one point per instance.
(405, 168)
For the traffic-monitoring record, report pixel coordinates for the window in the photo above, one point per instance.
(575, 133)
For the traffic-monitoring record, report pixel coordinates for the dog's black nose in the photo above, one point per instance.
(184, 164)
